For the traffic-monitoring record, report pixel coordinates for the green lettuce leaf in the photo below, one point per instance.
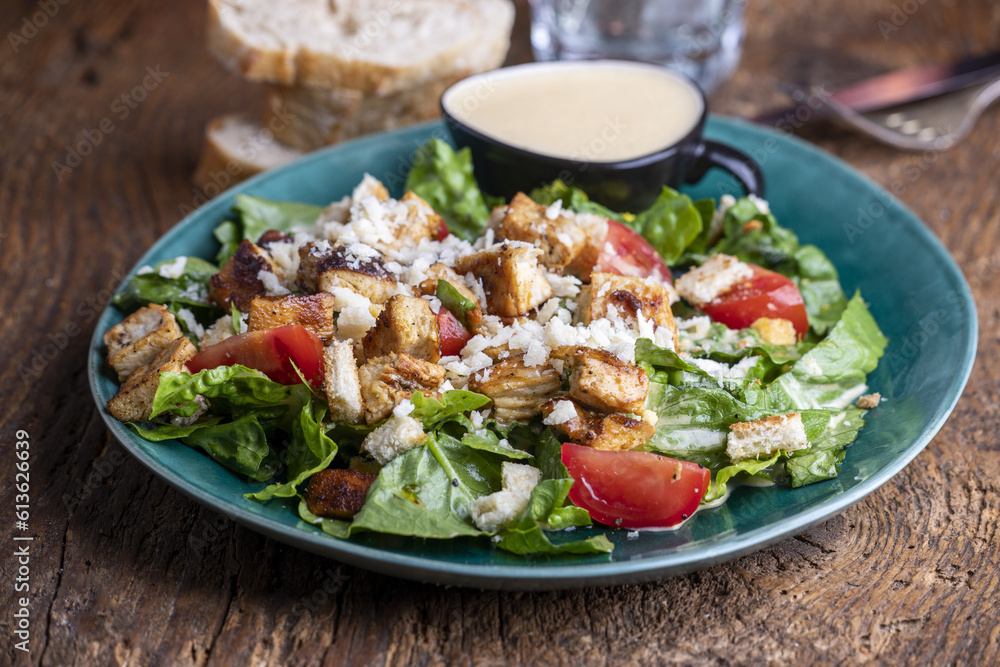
(752, 467)
(190, 289)
(525, 534)
(832, 374)
(452, 406)
(259, 215)
(573, 199)
(310, 451)
(332, 527)
(670, 224)
(426, 491)
(821, 291)
(444, 179)
(240, 445)
(826, 451)
(161, 432)
(487, 441)
(228, 387)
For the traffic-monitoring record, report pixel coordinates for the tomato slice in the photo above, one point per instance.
(626, 253)
(443, 231)
(453, 335)
(634, 489)
(272, 352)
(766, 294)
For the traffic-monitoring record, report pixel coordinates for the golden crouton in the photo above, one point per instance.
(237, 282)
(512, 280)
(559, 238)
(312, 311)
(406, 324)
(139, 338)
(387, 381)
(324, 266)
(629, 297)
(517, 391)
(602, 381)
(338, 494)
(135, 399)
(600, 431)
(763, 437)
(775, 331)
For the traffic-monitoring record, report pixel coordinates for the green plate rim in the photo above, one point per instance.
(525, 577)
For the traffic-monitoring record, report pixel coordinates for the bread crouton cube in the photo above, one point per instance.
(519, 477)
(610, 296)
(517, 391)
(324, 267)
(312, 311)
(764, 437)
(558, 236)
(498, 509)
(137, 339)
(775, 331)
(338, 494)
(406, 324)
(718, 275)
(593, 429)
(238, 282)
(512, 281)
(135, 399)
(389, 380)
(342, 384)
(602, 381)
(398, 435)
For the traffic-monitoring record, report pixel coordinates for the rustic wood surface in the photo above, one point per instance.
(120, 570)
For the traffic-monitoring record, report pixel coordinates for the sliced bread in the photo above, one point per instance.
(236, 148)
(371, 46)
(318, 117)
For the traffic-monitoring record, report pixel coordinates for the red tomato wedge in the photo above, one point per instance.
(443, 231)
(453, 335)
(272, 352)
(766, 294)
(625, 252)
(634, 489)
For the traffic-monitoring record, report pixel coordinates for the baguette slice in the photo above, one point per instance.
(236, 148)
(322, 117)
(371, 46)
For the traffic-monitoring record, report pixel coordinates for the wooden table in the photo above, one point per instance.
(117, 572)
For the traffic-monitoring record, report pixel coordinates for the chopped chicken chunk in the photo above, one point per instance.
(239, 282)
(600, 431)
(312, 311)
(324, 267)
(406, 324)
(517, 391)
(513, 282)
(338, 494)
(139, 338)
(135, 399)
(387, 381)
(602, 381)
(610, 295)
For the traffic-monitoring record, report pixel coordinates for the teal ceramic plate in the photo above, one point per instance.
(916, 292)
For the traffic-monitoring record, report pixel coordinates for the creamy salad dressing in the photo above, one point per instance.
(596, 111)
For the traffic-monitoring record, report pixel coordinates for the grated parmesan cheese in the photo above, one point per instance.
(563, 412)
(174, 269)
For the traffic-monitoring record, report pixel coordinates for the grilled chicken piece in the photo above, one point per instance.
(512, 280)
(312, 311)
(343, 385)
(135, 399)
(324, 266)
(237, 282)
(273, 236)
(338, 494)
(559, 237)
(387, 381)
(422, 222)
(627, 296)
(602, 381)
(600, 431)
(139, 338)
(406, 324)
(444, 272)
(517, 391)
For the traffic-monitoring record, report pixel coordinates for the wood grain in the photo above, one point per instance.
(125, 570)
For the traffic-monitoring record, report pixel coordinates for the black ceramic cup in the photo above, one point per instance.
(627, 185)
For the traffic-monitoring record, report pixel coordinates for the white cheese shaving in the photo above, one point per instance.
(174, 269)
(563, 412)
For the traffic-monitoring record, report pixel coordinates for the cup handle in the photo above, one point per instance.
(708, 154)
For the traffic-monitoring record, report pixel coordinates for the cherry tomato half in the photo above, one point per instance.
(453, 335)
(766, 294)
(634, 489)
(272, 352)
(626, 253)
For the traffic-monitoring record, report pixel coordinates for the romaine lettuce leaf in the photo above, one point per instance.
(670, 224)
(573, 199)
(452, 407)
(444, 179)
(832, 374)
(240, 445)
(228, 387)
(259, 215)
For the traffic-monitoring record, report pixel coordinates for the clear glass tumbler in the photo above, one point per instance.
(700, 38)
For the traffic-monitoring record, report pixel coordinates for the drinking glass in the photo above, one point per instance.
(700, 38)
